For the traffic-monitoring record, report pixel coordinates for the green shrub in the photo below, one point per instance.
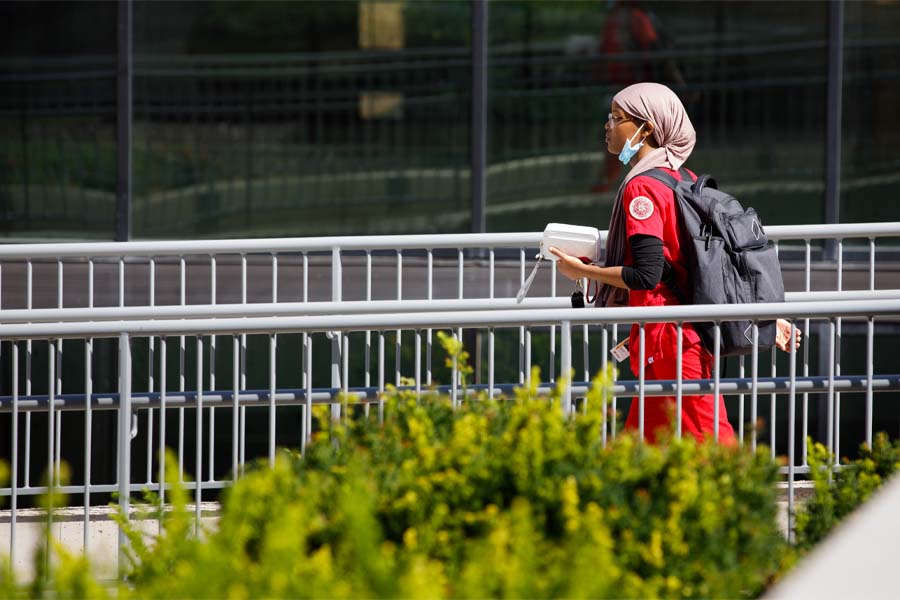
(493, 499)
(839, 493)
(490, 499)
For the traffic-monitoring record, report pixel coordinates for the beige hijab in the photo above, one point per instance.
(675, 137)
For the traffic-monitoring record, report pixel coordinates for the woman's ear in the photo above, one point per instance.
(647, 134)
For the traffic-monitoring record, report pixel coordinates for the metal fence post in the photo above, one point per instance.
(565, 365)
(336, 293)
(123, 450)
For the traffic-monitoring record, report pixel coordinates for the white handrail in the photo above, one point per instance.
(296, 309)
(384, 242)
(465, 319)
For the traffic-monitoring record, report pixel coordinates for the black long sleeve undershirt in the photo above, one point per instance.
(647, 254)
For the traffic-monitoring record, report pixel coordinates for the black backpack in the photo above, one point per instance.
(730, 259)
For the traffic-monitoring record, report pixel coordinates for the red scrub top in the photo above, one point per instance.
(651, 209)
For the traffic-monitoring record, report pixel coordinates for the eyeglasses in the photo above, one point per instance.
(613, 121)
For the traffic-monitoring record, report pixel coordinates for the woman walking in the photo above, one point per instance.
(648, 128)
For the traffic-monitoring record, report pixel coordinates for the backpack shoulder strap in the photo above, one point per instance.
(660, 175)
(686, 175)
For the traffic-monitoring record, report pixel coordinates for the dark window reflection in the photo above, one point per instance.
(303, 118)
(752, 76)
(57, 119)
(870, 173)
(353, 117)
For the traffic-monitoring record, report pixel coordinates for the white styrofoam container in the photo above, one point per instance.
(572, 239)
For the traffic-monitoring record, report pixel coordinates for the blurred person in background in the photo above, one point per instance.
(632, 38)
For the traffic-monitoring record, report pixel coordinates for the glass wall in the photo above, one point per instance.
(354, 116)
(57, 119)
(870, 153)
(301, 118)
(752, 76)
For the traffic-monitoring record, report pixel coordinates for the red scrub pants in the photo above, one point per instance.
(697, 412)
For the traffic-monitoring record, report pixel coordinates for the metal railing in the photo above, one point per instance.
(151, 389)
(127, 400)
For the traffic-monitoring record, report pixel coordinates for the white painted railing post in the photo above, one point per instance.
(565, 365)
(336, 294)
(124, 439)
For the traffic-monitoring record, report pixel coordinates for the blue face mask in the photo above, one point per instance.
(628, 151)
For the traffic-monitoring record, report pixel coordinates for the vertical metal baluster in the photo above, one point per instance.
(717, 341)
(585, 349)
(871, 263)
(428, 332)
(604, 361)
(51, 422)
(14, 455)
(522, 364)
(181, 376)
(772, 407)
(336, 296)
(345, 374)
(870, 349)
(792, 426)
(490, 273)
(418, 363)
(773, 403)
(553, 327)
(837, 358)
(88, 421)
(58, 383)
(679, 381)
(212, 372)
(273, 363)
(399, 339)
(307, 415)
(491, 363)
(613, 411)
(808, 282)
(459, 332)
(162, 425)
(642, 358)
(127, 341)
(235, 402)
(51, 475)
(198, 476)
(243, 409)
(491, 329)
(307, 373)
(28, 347)
(454, 399)
(151, 351)
(272, 388)
(832, 338)
(870, 360)
(528, 355)
(741, 402)
(381, 370)
(368, 353)
(305, 299)
(58, 432)
(121, 281)
(123, 454)
(565, 367)
(754, 387)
